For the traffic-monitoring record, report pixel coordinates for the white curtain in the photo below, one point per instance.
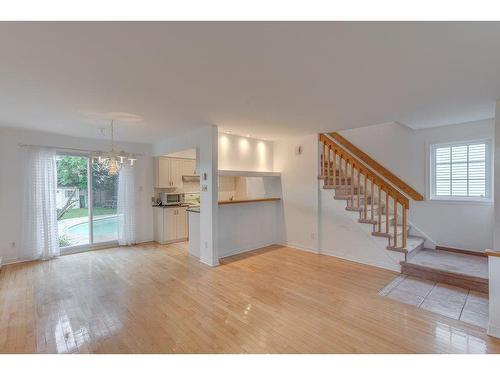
(39, 232)
(126, 206)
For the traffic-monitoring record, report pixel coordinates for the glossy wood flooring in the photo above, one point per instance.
(157, 299)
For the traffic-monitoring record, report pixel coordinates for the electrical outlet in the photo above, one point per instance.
(13, 244)
(204, 188)
(206, 245)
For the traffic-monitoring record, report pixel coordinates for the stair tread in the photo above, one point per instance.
(412, 243)
(461, 264)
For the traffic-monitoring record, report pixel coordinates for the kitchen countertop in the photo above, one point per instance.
(236, 201)
(172, 205)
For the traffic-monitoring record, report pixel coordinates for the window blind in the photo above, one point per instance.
(460, 170)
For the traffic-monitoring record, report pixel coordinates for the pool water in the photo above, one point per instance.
(102, 227)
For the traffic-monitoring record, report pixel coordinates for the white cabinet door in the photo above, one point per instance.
(182, 224)
(158, 224)
(176, 172)
(188, 167)
(163, 173)
(169, 224)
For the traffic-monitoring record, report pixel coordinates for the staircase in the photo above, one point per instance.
(380, 198)
(383, 201)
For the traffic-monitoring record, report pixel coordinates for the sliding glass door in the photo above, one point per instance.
(104, 199)
(86, 199)
(72, 200)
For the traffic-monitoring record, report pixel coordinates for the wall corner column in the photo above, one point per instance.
(494, 261)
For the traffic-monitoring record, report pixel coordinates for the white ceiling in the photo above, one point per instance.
(263, 79)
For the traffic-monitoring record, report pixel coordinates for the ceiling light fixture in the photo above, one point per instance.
(111, 160)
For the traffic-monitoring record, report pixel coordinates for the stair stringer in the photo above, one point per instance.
(342, 236)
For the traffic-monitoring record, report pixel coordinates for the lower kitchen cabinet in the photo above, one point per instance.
(170, 224)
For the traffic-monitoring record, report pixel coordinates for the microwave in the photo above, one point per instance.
(171, 199)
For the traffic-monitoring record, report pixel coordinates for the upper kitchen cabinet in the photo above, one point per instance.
(189, 167)
(169, 171)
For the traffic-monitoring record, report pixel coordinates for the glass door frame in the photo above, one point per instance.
(91, 245)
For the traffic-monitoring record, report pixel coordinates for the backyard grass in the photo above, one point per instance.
(83, 212)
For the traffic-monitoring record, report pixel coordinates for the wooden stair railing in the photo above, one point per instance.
(381, 170)
(362, 187)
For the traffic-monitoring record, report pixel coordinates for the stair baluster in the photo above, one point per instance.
(395, 223)
(387, 196)
(371, 199)
(364, 199)
(379, 209)
(359, 186)
(335, 171)
(352, 184)
(404, 229)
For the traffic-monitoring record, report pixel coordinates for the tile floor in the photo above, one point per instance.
(456, 303)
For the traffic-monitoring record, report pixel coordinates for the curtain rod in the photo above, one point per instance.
(68, 148)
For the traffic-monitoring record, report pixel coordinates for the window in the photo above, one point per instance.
(461, 171)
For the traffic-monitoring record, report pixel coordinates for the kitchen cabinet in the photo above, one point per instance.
(170, 224)
(189, 167)
(169, 171)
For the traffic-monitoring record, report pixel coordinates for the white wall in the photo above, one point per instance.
(245, 154)
(312, 220)
(405, 153)
(247, 226)
(494, 262)
(341, 235)
(204, 140)
(11, 182)
(299, 179)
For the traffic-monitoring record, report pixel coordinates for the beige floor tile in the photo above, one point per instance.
(405, 297)
(475, 318)
(449, 294)
(477, 302)
(415, 286)
(443, 307)
(394, 283)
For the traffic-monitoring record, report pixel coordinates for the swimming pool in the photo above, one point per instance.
(104, 227)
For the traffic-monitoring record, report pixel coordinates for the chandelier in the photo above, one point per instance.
(111, 160)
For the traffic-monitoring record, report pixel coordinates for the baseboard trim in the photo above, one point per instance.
(299, 247)
(246, 249)
(461, 251)
(209, 263)
(493, 331)
(395, 267)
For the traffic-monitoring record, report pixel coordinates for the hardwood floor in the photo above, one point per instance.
(158, 299)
